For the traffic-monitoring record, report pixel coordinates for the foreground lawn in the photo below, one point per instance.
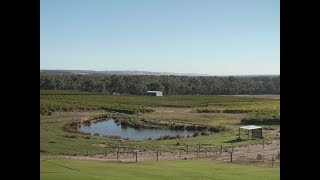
(175, 169)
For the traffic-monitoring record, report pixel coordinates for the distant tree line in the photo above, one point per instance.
(170, 85)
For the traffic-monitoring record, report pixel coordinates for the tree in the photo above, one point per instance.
(155, 86)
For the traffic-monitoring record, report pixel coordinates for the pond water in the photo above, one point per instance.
(110, 128)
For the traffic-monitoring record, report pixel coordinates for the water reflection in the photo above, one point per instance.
(110, 128)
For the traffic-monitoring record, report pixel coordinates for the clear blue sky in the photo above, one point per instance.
(217, 37)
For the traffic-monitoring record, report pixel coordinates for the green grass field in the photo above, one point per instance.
(174, 169)
(55, 140)
(53, 103)
(59, 110)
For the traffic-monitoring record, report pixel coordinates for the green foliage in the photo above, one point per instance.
(263, 118)
(170, 85)
(49, 104)
(130, 104)
(242, 107)
(63, 92)
(262, 113)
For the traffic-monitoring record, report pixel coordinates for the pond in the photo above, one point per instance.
(108, 127)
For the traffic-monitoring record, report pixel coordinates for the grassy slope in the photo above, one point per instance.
(177, 169)
(53, 138)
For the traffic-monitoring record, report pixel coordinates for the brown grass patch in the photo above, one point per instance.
(189, 115)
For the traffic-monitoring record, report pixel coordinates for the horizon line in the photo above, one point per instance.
(200, 74)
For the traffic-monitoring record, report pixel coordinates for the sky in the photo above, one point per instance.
(215, 37)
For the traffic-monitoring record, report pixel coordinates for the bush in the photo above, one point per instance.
(262, 121)
(214, 129)
(196, 134)
(205, 133)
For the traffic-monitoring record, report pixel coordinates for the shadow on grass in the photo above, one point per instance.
(236, 140)
(121, 162)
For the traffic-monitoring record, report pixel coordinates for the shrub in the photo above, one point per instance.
(86, 137)
(205, 133)
(196, 134)
(214, 129)
(166, 137)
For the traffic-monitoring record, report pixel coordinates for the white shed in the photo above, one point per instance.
(153, 93)
(256, 131)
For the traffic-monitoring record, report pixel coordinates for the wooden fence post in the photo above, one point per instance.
(231, 156)
(157, 155)
(272, 160)
(263, 144)
(197, 152)
(136, 156)
(187, 149)
(105, 151)
(221, 150)
(117, 155)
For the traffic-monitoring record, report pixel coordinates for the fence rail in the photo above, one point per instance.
(267, 153)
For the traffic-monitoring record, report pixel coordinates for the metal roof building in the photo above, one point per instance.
(256, 131)
(153, 93)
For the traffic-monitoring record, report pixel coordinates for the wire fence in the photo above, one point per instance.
(267, 153)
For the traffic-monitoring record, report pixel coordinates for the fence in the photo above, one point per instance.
(266, 153)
